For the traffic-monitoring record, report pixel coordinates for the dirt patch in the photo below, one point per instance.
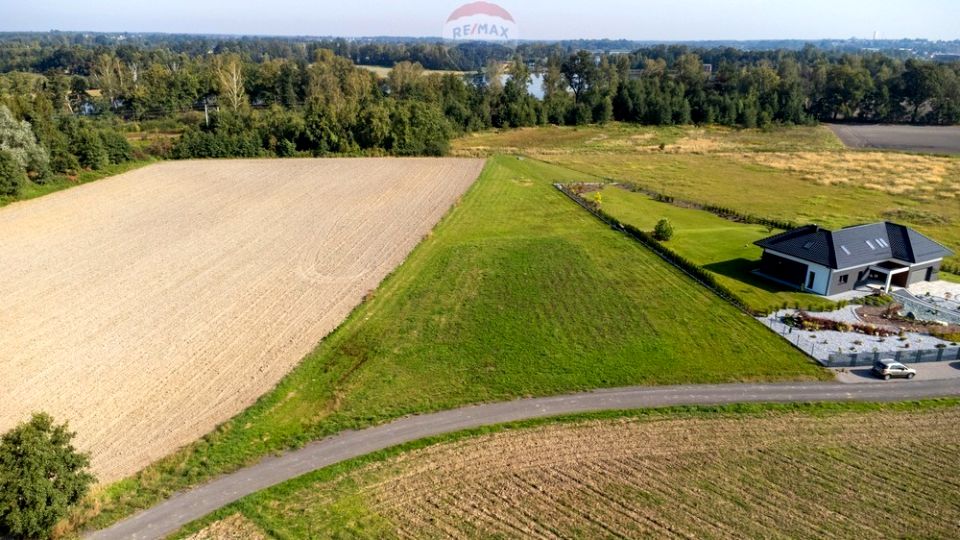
(235, 527)
(791, 475)
(147, 308)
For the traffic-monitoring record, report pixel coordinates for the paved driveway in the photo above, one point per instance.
(932, 371)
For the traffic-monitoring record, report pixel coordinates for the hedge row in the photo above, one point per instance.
(697, 272)
(721, 211)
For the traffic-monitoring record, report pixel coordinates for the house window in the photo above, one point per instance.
(844, 279)
(811, 280)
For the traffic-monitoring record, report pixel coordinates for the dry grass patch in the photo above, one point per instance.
(920, 177)
(235, 527)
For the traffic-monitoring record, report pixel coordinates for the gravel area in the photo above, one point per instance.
(821, 344)
(941, 293)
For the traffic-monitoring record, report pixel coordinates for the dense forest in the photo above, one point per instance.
(71, 101)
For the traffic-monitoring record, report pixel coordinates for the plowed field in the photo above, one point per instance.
(149, 307)
(887, 473)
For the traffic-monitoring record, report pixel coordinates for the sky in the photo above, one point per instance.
(660, 20)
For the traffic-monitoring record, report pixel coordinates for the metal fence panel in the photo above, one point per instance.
(904, 356)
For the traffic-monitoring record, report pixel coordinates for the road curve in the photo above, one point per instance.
(168, 516)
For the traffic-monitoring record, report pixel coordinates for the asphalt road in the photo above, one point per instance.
(168, 516)
(928, 139)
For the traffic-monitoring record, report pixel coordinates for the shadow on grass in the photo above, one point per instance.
(742, 270)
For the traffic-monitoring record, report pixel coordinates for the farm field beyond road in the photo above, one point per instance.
(149, 307)
(821, 471)
(932, 139)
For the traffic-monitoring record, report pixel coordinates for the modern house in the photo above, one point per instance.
(826, 262)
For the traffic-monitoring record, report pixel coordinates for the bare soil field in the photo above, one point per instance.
(932, 139)
(775, 475)
(149, 307)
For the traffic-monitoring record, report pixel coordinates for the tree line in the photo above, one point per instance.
(67, 105)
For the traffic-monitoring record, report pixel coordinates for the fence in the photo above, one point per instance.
(927, 309)
(902, 356)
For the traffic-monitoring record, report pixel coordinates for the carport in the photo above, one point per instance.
(890, 273)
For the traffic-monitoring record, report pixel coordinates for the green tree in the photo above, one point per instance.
(557, 101)
(117, 147)
(17, 137)
(41, 477)
(581, 72)
(12, 176)
(922, 82)
(89, 149)
(663, 231)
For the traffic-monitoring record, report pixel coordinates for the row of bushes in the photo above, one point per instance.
(721, 211)
(694, 270)
(951, 268)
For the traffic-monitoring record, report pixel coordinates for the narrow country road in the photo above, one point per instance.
(170, 515)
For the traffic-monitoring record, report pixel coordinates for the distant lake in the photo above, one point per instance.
(535, 88)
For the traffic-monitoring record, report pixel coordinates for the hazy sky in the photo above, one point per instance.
(551, 19)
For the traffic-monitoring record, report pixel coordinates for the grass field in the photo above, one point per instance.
(801, 174)
(517, 292)
(619, 138)
(720, 245)
(800, 471)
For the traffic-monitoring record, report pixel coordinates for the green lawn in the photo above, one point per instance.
(720, 245)
(517, 292)
(341, 500)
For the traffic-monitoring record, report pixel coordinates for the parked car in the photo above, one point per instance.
(887, 369)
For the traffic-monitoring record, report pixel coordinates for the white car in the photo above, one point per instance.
(888, 369)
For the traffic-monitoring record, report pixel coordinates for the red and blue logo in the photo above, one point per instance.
(480, 21)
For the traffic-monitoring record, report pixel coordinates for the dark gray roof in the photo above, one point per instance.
(856, 246)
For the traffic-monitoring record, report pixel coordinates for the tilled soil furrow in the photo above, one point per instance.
(147, 308)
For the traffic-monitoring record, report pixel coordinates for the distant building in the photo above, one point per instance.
(827, 262)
